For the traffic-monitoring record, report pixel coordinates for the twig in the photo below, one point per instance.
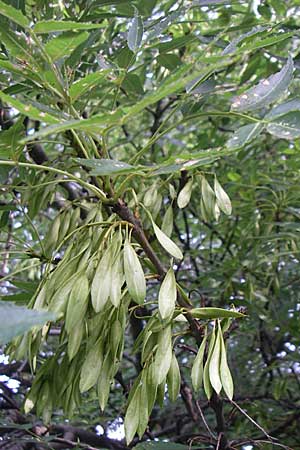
(252, 420)
(204, 420)
(219, 440)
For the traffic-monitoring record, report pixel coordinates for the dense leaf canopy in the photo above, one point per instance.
(149, 173)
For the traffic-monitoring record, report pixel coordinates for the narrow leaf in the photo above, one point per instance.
(135, 33)
(267, 91)
(167, 295)
(285, 120)
(286, 127)
(223, 201)
(63, 45)
(167, 223)
(101, 284)
(78, 302)
(101, 167)
(131, 421)
(52, 26)
(104, 380)
(86, 84)
(166, 243)
(206, 379)
(74, 340)
(91, 368)
(163, 24)
(232, 47)
(214, 365)
(197, 369)
(214, 313)
(29, 110)
(173, 379)
(210, 2)
(185, 194)
(226, 377)
(134, 274)
(16, 320)
(14, 14)
(143, 407)
(245, 134)
(118, 278)
(208, 199)
(163, 356)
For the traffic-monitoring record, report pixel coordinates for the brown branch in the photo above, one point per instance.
(187, 396)
(124, 213)
(88, 437)
(217, 405)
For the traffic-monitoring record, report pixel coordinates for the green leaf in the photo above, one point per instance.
(134, 274)
(232, 47)
(284, 120)
(117, 275)
(102, 281)
(163, 24)
(279, 7)
(185, 194)
(245, 134)
(167, 223)
(163, 356)
(132, 83)
(225, 374)
(83, 85)
(10, 147)
(17, 320)
(29, 110)
(131, 421)
(143, 407)
(223, 201)
(135, 33)
(51, 238)
(173, 379)
(93, 125)
(104, 380)
(91, 368)
(200, 87)
(283, 109)
(52, 26)
(214, 365)
(14, 14)
(17, 47)
(97, 123)
(185, 163)
(266, 92)
(197, 369)
(166, 243)
(167, 295)
(210, 2)
(102, 167)
(63, 45)
(286, 127)
(206, 379)
(262, 43)
(169, 61)
(176, 43)
(78, 302)
(214, 313)
(208, 200)
(174, 83)
(75, 339)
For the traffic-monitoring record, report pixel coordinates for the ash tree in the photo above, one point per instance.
(149, 223)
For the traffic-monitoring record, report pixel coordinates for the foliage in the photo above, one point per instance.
(149, 175)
